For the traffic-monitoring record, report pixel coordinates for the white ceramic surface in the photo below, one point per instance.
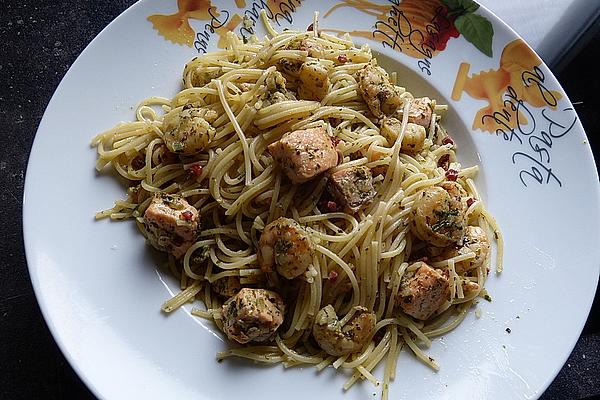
(100, 291)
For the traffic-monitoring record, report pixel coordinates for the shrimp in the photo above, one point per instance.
(276, 89)
(439, 214)
(291, 66)
(188, 130)
(474, 240)
(287, 246)
(470, 288)
(338, 340)
(381, 96)
(414, 135)
(308, 44)
(202, 75)
(314, 81)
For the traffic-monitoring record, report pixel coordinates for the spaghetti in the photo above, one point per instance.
(403, 260)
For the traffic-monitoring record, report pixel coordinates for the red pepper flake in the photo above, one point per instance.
(335, 141)
(333, 277)
(334, 121)
(448, 140)
(138, 163)
(444, 161)
(332, 206)
(342, 58)
(452, 175)
(378, 336)
(196, 169)
(470, 201)
(187, 215)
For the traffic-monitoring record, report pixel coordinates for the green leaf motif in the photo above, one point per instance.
(452, 4)
(469, 6)
(477, 30)
(460, 7)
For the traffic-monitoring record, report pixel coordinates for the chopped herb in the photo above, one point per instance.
(444, 220)
(447, 140)
(282, 246)
(177, 146)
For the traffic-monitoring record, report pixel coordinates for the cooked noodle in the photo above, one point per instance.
(359, 259)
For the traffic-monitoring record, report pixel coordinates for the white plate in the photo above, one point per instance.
(100, 293)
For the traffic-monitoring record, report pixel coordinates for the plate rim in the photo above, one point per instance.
(59, 339)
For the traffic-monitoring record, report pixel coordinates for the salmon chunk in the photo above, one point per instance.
(304, 154)
(420, 112)
(423, 293)
(171, 224)
(252, 315)
(352, 188)
(227, 286)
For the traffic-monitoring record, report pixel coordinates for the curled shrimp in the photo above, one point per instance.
(381, 96)
(439, 216)
(474, 240)
(285, 245)
(337, 339)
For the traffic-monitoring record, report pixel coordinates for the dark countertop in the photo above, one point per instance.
(39, 40)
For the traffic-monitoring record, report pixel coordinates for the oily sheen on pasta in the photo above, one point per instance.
(312, 207)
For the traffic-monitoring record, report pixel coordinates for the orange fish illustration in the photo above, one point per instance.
(270, 3)
(517, 58)
(228, 27)
(176, 27)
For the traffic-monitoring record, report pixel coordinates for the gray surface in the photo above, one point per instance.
(554, 28)
(39, 40)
